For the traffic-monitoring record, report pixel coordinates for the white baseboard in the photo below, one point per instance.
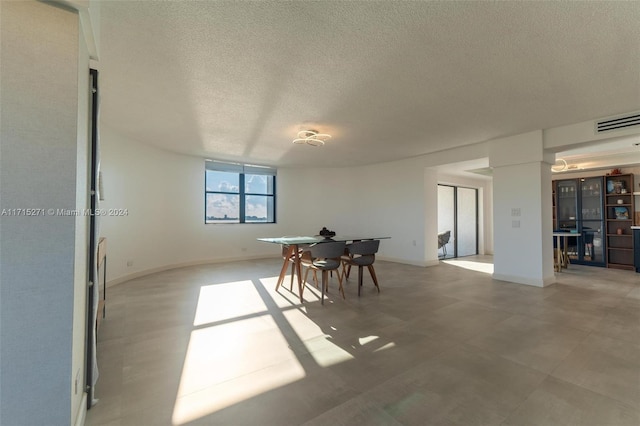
(142, 273)
(524, 280)
(408, 262)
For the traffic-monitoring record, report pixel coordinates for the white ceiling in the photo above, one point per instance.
(389, 80)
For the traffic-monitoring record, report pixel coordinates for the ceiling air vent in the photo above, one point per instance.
(618, 123)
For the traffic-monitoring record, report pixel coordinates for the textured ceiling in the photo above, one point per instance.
(236, 80)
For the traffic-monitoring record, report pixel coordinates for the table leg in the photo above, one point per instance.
(285, 264)
(558, 263)
(565, 252)
(292, 252)
(297, 263)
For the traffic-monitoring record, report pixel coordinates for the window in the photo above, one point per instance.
(238, 193)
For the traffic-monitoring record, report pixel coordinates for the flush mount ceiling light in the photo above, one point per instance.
(311, 137)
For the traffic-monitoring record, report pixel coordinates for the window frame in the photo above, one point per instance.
(241, 170)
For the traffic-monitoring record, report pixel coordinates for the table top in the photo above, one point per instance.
(567, 234)
(316, 239)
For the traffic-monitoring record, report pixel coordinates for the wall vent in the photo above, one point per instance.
(618, 123)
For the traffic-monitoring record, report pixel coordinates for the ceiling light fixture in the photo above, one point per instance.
(559, 167)
(311, 137)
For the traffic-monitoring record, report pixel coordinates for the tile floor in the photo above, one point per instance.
(445, 345)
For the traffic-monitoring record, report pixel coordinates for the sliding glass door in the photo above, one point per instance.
(458, 215)
(466, 221)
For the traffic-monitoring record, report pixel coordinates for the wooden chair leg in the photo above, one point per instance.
(359, 279)
(373, 275)
(293, 269)
(340, 282)
(306, 274)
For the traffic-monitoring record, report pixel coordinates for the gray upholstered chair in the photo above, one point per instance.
(443, 240)
(361, 254)
(325, 257)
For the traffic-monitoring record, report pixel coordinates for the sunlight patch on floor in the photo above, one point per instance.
(486, 268)
(219, 302)
(221, 367)
(287, 295)
(364, 340)
(385, 347)
(331, 355)
(316, 340)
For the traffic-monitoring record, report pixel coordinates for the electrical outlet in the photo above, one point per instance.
(129, 263)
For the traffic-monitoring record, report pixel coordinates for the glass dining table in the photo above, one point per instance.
(293, 246)
(562, 257)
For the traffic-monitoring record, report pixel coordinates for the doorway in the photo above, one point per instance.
(457, 220)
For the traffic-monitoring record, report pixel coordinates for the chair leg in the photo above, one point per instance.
(306, 274)
(324, 284)
(340, 282)
(359, 279)
(373, 275)
(293, 268)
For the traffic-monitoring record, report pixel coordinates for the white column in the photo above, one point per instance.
(522, 210)
(430, 217)
(42, 256)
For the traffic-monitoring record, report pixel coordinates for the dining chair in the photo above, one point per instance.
(443, 240)
(361, 254)
(325, 257)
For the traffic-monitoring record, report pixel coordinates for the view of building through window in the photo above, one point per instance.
(238, 197)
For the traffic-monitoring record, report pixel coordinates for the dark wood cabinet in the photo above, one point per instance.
(619, 208)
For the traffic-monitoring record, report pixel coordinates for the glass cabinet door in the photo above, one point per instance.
(567, 191)
(580, 209)
(590, 244)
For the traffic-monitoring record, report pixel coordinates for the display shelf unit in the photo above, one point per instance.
(619, 207)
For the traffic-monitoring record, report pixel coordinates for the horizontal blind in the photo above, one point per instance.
(221, 166)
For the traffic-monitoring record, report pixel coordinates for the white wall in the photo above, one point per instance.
(81, 274)
(391, 202)
(42, 258)
(163, 193)
(574, 135)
